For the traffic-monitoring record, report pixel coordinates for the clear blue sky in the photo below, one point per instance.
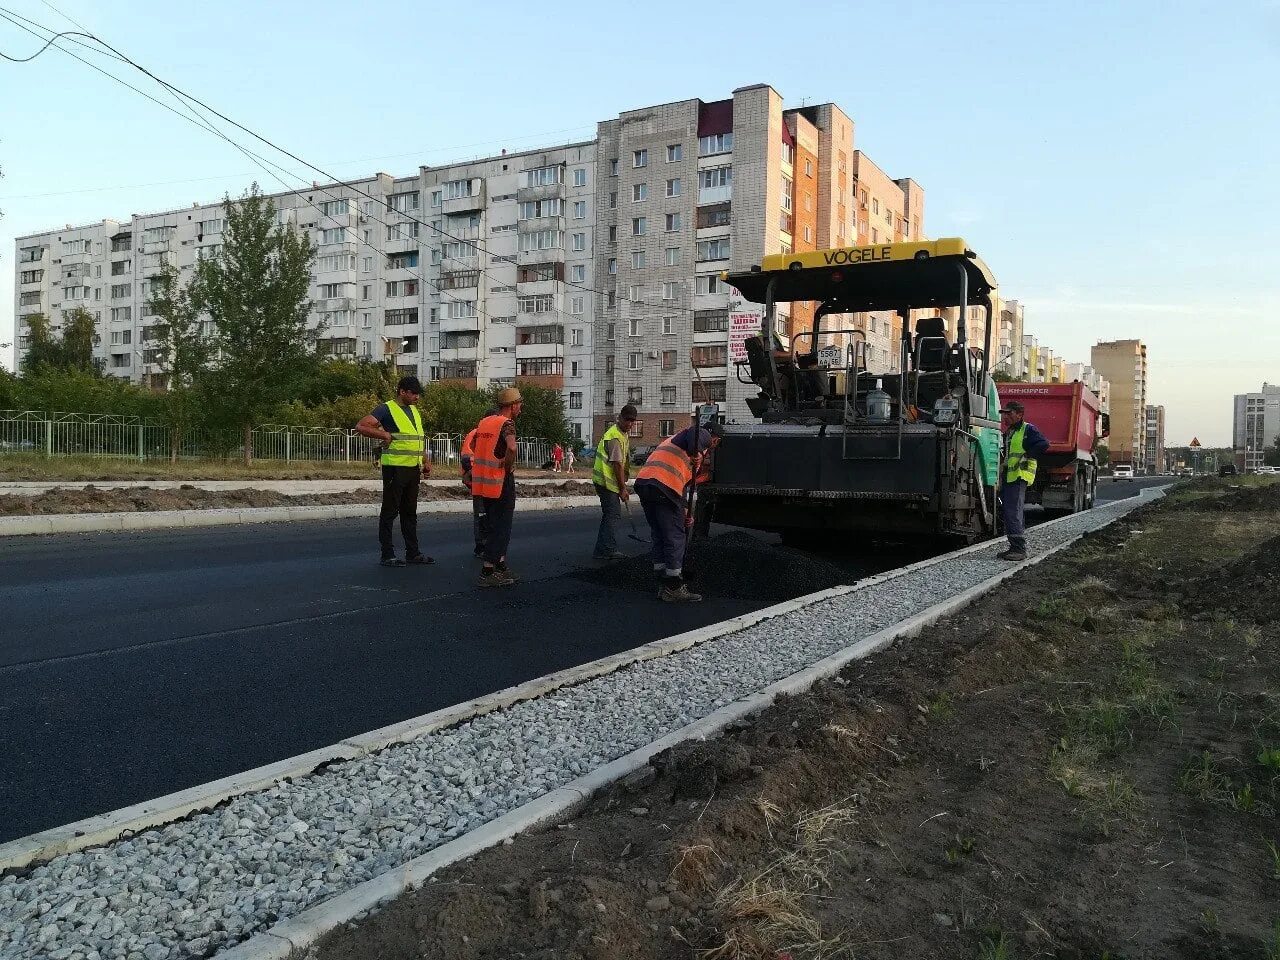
(1114, 163)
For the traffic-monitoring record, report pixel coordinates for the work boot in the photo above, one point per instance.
(391, 562)
(506, 572)
(420, 560)
(496, 578)
(1015, 556)
(678, 594)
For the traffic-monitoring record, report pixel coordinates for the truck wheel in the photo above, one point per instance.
(1078, 493)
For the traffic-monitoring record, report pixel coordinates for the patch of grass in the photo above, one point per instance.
(942, 707)
(1209, 922)
(696, 867)
(1269, 760)
(1202, 778)
(995, 948)
(1274, 851)
(960, 849)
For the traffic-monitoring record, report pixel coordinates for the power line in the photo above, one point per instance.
(661, 306)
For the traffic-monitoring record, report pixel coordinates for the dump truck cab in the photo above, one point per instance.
(840, 443)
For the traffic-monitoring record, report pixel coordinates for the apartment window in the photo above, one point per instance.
(675, 152)
(579, 209)
(122, 242)
(715, 143)
(613, 168)
(714, 216)
(575, 369)
(577, 306)
(541, 335)
(402, 317)
(575, 400)
(368, 264)
(119, 360)
(673, 187)
(668, 396)
(875, 236)
(121, 268)
(613, 200)
(709, 356)
(215, 226)
(716, 248)
(635, 395)
(668, 326)
(639, 226)
(399, 202)
(666, 427)
(578, 241)
(633, 360)
(544, 176)
(788, 153)
(576, 340)
(715, 184)
(673, 256)
(32, 298)
(328, 208)
(400, 261)
(670, 289)
(541, 367)
(334, 235)
(637, 428)
(635, 328)
(541, 240)
(329, 290)
(580, 177)
(708, 283)
(119, 291)
(454, 189)
(31, 276)
(578, 273)
(538, 271)
(635, 292)
(608, 397)
(708, 391)
(461, 309)
(788, 188)
(459, 280)
(543, 303)
(436, 196)
(366, 321)
(808, 168)
(121, 314)
(875, 206)
(808, 234)
(400, 288)
(531, 209)
(613, 265)
(668, 359)
(637, 260)
(334, 262)
(640, 158)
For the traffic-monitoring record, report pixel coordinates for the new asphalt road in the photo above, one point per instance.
(134, 665)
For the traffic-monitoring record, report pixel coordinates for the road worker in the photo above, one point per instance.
(493, 485)
(664, 486)
(609, 476)
(1023, 443)
(405, 464)
(478, 519)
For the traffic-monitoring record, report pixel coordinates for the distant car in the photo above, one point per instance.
(1227, 470)
(1269, 471)
(1122, 472)
(640, 454)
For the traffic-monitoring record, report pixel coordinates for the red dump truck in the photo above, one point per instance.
(1071, 419)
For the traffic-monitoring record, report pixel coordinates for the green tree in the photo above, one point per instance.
(328, 378)
(72, 349)
(1272, 455)
(451, 407)
(542, 413)
(255, 293)
(182, 351)
(1003, 376)
(1102, 454)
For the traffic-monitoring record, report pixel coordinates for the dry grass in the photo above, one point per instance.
(695, 871)
(771, 912)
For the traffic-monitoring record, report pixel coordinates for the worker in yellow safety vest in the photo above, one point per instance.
(609, 476)
(405, 464)
(1023, 443)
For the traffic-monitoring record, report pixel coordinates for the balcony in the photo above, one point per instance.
(552, 381)
(156, 246)
(526, 257)
(467, 204)
(542, 192)
(460, 324)
(334, 303)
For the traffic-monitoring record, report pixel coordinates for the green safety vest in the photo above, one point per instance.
(601, 476)
(1018, 466)
(408, 443)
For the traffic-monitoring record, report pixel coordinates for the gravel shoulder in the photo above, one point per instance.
(1085, 763)
(92, 499)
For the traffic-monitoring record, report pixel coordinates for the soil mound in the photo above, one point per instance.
(737, 566)
(1234, 498)
(1247, 588)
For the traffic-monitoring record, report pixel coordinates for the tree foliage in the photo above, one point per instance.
(1272, 454)
(183, 351)
(255, 293)
(70, 349)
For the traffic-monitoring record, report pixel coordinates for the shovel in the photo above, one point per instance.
(634, 534)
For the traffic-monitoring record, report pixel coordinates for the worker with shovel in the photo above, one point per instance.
(609, 475)
(665, 486)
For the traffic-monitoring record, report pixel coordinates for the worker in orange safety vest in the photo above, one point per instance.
(493, 485)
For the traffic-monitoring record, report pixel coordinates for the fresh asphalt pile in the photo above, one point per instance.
(213, 879)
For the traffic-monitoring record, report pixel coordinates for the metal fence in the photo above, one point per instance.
(54, 434)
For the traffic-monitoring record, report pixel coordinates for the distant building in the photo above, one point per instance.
(1124, 364)
(1256, 425)
(1010, 355)
(1155, 439)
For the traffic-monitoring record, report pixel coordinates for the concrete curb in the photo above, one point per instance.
(104, 828)
(286, 939)
(166, 519)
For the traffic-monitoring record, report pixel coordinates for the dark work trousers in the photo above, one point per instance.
(497, 517)
(1013, 497)
(610, 517)
(479, 524)
(666, 527)
(399, 496)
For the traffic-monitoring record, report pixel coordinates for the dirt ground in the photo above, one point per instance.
(1084, 764)
(94, 500)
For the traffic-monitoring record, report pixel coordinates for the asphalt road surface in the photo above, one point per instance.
(134, 665)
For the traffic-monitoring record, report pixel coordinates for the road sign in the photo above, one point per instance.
(1195, 441)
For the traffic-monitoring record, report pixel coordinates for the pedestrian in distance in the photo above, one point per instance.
(570, 458)
(405, 465)
(493, 485)
(609, 476)
(557, 458)
(479, 522)
(664, 486)
(1023, 443)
